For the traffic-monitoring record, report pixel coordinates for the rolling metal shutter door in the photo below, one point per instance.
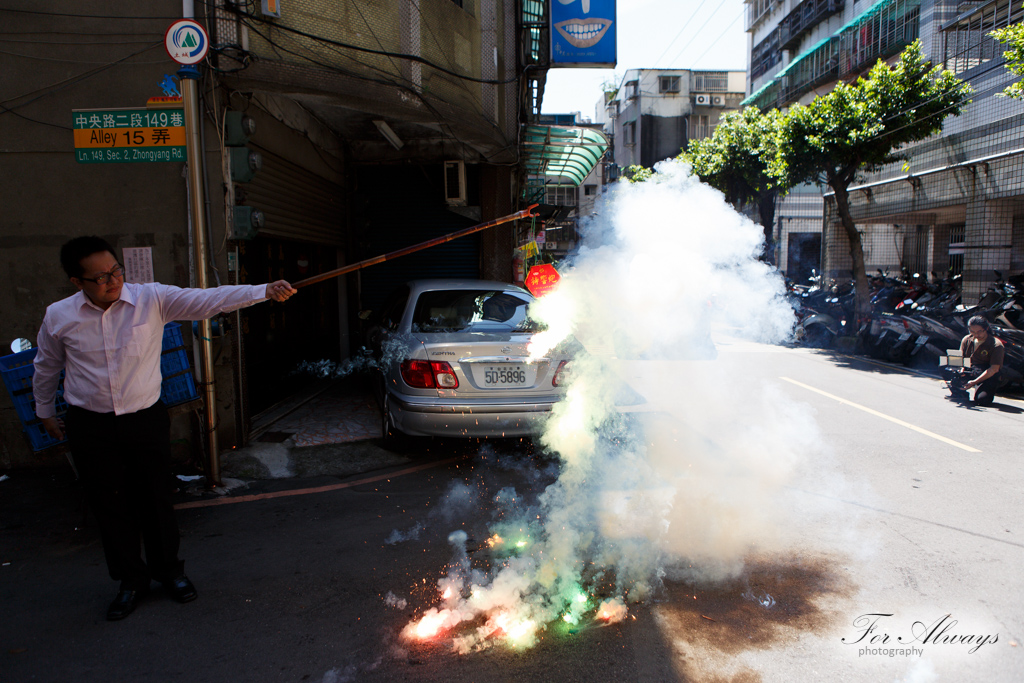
(456, 259)
(296, 203)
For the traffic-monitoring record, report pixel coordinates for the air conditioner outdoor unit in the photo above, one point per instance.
(702, 100)
(455, 183)
(718, 100)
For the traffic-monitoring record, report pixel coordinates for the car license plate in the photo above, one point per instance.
(905, 336)
(503, 375)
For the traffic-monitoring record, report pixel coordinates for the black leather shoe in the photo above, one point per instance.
(181, 589)
(123, 604)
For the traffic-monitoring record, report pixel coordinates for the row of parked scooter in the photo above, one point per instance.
(914, 320)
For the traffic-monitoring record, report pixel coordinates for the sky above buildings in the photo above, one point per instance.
(657, 34)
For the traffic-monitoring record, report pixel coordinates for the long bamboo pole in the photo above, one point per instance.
(525, 213)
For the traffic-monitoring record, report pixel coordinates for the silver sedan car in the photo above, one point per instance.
(453, 361)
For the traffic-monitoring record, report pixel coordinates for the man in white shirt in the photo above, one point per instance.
(107, 338)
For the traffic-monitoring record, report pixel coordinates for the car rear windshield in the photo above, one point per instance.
(473, 310)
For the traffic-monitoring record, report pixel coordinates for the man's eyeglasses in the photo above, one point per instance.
(104, 278)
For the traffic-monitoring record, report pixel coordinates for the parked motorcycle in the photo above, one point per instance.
(913, 322)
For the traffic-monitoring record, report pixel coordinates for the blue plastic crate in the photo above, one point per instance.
(173, 357)
(17, 370)
(39, 437)
(180, 389)
(178, 385)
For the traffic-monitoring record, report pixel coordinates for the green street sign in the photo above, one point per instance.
(128, 135)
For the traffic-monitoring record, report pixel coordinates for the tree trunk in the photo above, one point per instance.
(766, 210)
(862, 304)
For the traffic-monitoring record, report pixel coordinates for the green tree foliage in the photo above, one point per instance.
(1013, 38)
(737, 160)
(860, 127)
(637, 173)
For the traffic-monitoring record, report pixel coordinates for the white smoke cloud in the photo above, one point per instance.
(410, 534)
(690, 476)
(921, 671)
(392, 600)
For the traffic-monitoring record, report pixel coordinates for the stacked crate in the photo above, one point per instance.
(178, 386)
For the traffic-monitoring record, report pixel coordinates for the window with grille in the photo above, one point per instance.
(765, 54)
(702, 127)
(710, 81)
(561, 195)
(589, 190)
(967, 41)
(629, 133)
(669, 84)
(957, 245)
(757, 9)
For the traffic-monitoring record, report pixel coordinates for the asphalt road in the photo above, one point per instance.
(883, 499)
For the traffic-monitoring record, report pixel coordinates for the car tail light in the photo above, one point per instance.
(561, 374)
(418, 374)
(423, 374)
(444, 375)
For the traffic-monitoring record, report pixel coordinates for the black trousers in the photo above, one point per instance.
(985, 394)
(124, 465)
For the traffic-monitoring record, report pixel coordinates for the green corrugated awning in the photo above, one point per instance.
(805, 55)
(861, 18)
(563, 152)
(778, 77)
(754, 95)
(865, 15)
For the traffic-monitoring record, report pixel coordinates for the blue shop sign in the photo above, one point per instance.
(583, 33)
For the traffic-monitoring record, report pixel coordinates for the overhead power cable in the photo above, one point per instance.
(673, 41)
(75, 42)
(60, 85)
(719, 38)
(68, 61)
(81, 16)
(384, 53)
(388, 80)
(710, 17)
(27, 118)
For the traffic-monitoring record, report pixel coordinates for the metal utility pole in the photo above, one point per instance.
(197, 193)
(187, 43)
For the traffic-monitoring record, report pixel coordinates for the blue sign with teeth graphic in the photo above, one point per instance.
(583, 33)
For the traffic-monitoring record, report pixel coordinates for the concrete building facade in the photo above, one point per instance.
(654, 113)
(955, 205)
(378, 125)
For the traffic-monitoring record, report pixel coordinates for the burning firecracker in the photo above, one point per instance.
(635, 491)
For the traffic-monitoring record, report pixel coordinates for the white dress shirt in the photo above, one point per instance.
(111, 358)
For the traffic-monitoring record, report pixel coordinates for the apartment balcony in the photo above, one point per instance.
(757, 10)
(806, 16)
(882, 31)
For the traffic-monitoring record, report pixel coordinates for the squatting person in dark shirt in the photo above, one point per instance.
(986, 353)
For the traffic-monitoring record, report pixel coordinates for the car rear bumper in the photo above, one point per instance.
(469, 419)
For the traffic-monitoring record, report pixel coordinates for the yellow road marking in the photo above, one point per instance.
(917, 429)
